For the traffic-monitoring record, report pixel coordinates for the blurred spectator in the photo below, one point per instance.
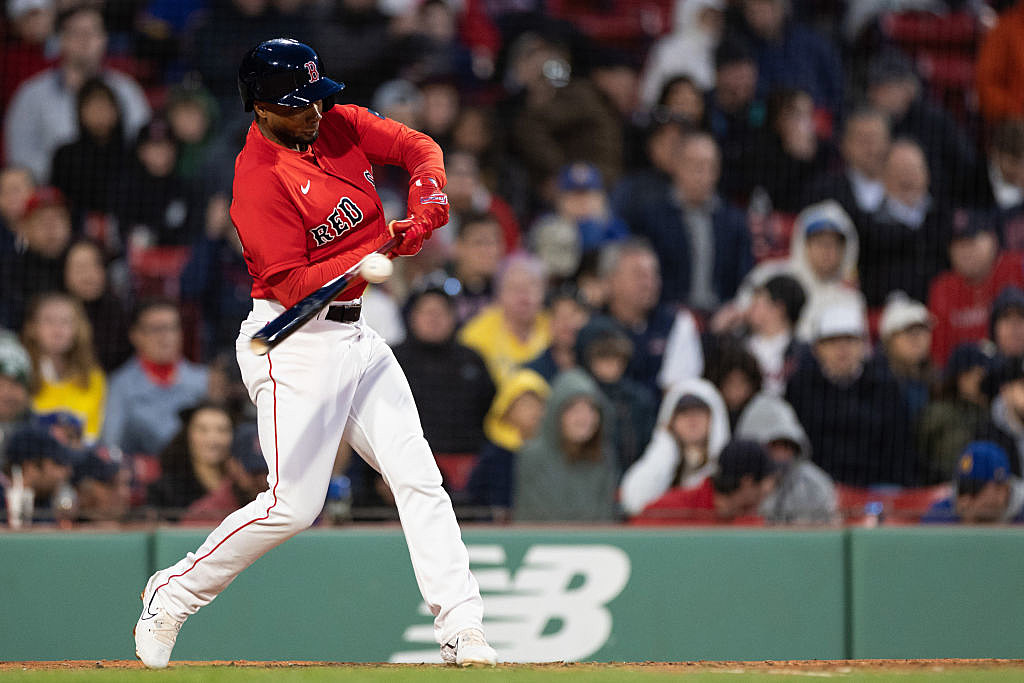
(38, 462)
(775, 308)
(15, 384)
(194, 463)
(67, 376)
(792, 55)
(86, 279)
(702, 241)
(441, 104)
(581, 208)
(449, 381)
(905, 244)
(399, 99)
(1006, 323)
(41, 116)
(426, 37)
(477, 256)
(245, 477)
(88, 169)
(568, 316)
(735, 114)
(46, 233)
(476, 132)
(681, 100)
(353, 37)
(515, 328)
(468, 195)
(803, 492)
(905, 329)
(217, 280)
(568, 472)
(653, 183)
(692, 428)
(225, 30)
(584, 121)
(961, 298)
(894, 88)
(734, 493)
(1007, 411)
(103, 488)
(26, 50)
(1000, 67)
(688, 49)
(145, 394)
(16, 188)
(192, 115)
(154, 206)
(604, 352)
(788, 156)
(735, 373)
(666, 342)
(955, 414)
(864, 146)
(851, 405)
(984, 490)
(513, 419)
(1002, 178)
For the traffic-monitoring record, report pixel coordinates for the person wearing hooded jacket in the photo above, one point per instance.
(668, 459)
(568, 471)
(513, 418)
(688, 49)
(803, 492)
(823, 255)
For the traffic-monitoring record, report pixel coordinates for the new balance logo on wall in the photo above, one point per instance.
(552, 608)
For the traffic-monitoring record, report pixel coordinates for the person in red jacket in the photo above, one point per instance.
(1000, 67)
(961, 298)
(306, 210)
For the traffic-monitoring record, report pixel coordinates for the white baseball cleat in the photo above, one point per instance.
(155, 633)
(469, 648)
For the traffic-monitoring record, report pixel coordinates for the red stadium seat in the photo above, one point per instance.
(916, 29)
(455, 468)
(156, 270)
(905, 505)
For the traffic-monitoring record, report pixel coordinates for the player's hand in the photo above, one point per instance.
(413, 233)
(427, 203)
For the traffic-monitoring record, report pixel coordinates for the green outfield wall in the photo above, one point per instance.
(549, 594)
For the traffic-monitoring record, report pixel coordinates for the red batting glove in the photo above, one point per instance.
(413, 233)
(427, 203)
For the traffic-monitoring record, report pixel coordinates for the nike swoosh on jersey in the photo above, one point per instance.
(305, 188)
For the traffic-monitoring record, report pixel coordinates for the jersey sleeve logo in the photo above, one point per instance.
(345, 217)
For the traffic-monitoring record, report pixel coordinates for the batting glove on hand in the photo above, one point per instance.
(413, 233)
(427, 203)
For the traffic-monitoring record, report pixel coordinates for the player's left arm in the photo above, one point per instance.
(389, 142)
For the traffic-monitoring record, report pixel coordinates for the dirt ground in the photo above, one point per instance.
(803, 666)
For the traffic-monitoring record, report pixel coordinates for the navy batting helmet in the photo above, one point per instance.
(284, 71)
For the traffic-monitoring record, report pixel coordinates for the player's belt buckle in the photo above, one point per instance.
(343, 314)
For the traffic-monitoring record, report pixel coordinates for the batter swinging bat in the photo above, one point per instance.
(281, 327)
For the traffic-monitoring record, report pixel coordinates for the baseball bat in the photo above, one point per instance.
(281, 327)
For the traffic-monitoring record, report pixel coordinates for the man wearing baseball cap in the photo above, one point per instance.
(850, 405)
(984, 491)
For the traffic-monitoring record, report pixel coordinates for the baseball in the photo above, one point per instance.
(376, 268)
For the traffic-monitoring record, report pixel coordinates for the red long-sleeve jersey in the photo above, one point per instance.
(306, 217)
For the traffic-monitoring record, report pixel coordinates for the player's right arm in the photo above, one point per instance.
(274, 238)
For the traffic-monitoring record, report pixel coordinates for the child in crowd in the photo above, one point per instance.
(906, 332)
(568, 472)
(67, 375)
(692, 428)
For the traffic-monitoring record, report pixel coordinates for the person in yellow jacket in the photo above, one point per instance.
(514, 329)
(66, 374)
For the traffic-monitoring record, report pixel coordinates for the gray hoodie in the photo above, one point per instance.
(804, 492)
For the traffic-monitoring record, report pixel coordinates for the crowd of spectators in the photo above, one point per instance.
(712, 261)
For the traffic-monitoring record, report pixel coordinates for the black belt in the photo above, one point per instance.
(343, 314)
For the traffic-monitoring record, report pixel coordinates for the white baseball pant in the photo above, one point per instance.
(330, 381)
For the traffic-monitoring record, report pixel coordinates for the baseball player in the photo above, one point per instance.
(306, 210)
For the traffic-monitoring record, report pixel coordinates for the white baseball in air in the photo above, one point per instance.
(376, 268)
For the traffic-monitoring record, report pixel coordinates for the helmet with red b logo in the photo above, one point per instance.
(284, 71)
